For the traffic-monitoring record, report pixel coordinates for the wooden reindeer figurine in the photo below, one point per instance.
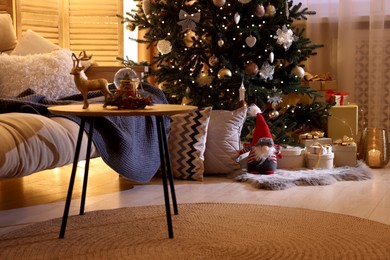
(84, 85)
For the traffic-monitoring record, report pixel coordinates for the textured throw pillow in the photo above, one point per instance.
(33, 43)
(187, 143)
(223, 141)
(47, 74)
(7, 33)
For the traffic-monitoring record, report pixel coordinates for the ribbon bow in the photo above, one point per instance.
(188, 21)
(345, 141)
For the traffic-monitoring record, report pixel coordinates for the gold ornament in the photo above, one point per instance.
(273, 114)
(220, 42)
(188, 41)
(219, 3)
(244, 1)
(270, 11)
(213, 60)
(224, 73)
(251, 69)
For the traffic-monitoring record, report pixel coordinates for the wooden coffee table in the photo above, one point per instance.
(97, 110)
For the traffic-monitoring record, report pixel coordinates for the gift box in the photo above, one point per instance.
(312, 137)
(345, 152)
(321, 84)
(323, 141)
(291, 158)
(319, 156)
(343, 121)
(319, 161)
(337, 98)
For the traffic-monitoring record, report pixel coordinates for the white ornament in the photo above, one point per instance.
(237, 18)
(164, 46)
(220, 42)
(250, 41)
(267, 71)
(285, 37)
(242, 92)
(271, 57)
(299, 71)
(219, 3)
(244, 1)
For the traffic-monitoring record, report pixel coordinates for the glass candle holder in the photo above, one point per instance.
(374, 147)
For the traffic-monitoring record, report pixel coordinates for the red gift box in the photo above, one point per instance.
(340, 98)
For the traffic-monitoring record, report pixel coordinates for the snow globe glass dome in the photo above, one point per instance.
(129, 93)
(126, 75)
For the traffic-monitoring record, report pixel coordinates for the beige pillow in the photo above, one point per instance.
(33, 43)
(7, 33)
(224, 142)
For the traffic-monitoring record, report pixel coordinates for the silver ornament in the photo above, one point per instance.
(164, 46)
(250, 41)
(271, 57)
(237, 18)
(298, 71)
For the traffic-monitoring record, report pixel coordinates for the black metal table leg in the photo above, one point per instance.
(169, 167)
(72, 178)
(161, 137)
(87, 159)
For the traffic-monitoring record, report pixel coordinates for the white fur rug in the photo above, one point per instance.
(285, 179)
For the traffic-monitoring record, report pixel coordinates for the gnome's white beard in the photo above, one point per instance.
(263, 152)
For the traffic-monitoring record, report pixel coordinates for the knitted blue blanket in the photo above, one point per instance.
(129, 145)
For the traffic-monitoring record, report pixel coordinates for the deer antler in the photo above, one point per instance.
(85, 56)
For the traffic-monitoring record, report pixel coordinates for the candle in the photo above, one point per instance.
(242, 92)
(374, 158)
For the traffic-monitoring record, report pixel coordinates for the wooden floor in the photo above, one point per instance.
(41, 196)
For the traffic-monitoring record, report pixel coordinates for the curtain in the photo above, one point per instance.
(356, 52)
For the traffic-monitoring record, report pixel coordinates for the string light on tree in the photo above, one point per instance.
(218, 45)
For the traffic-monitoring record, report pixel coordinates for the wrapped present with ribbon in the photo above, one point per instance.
(319, 156)
(309, 138)
(337, 98)
(293, 157)
(319, 82)
(345, 152)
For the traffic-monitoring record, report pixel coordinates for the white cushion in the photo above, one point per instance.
(7, 33)
(33, 43)
(223, 141)
(47, 74)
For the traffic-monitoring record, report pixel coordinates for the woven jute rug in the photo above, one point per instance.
(202, 231)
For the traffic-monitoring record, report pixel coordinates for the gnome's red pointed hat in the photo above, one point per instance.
(261, 129)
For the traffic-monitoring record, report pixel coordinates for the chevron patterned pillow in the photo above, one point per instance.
(187, 144)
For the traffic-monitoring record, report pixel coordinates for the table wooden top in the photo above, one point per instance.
(99, 110)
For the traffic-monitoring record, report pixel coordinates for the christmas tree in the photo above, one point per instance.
(220, 53)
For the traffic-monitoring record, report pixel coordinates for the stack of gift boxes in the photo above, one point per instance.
(319, 152)
(337, 149)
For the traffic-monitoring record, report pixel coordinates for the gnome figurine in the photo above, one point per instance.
(262, 158)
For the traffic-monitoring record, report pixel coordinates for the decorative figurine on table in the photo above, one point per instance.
(263, 153)
(129, 93)
(84, 85)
